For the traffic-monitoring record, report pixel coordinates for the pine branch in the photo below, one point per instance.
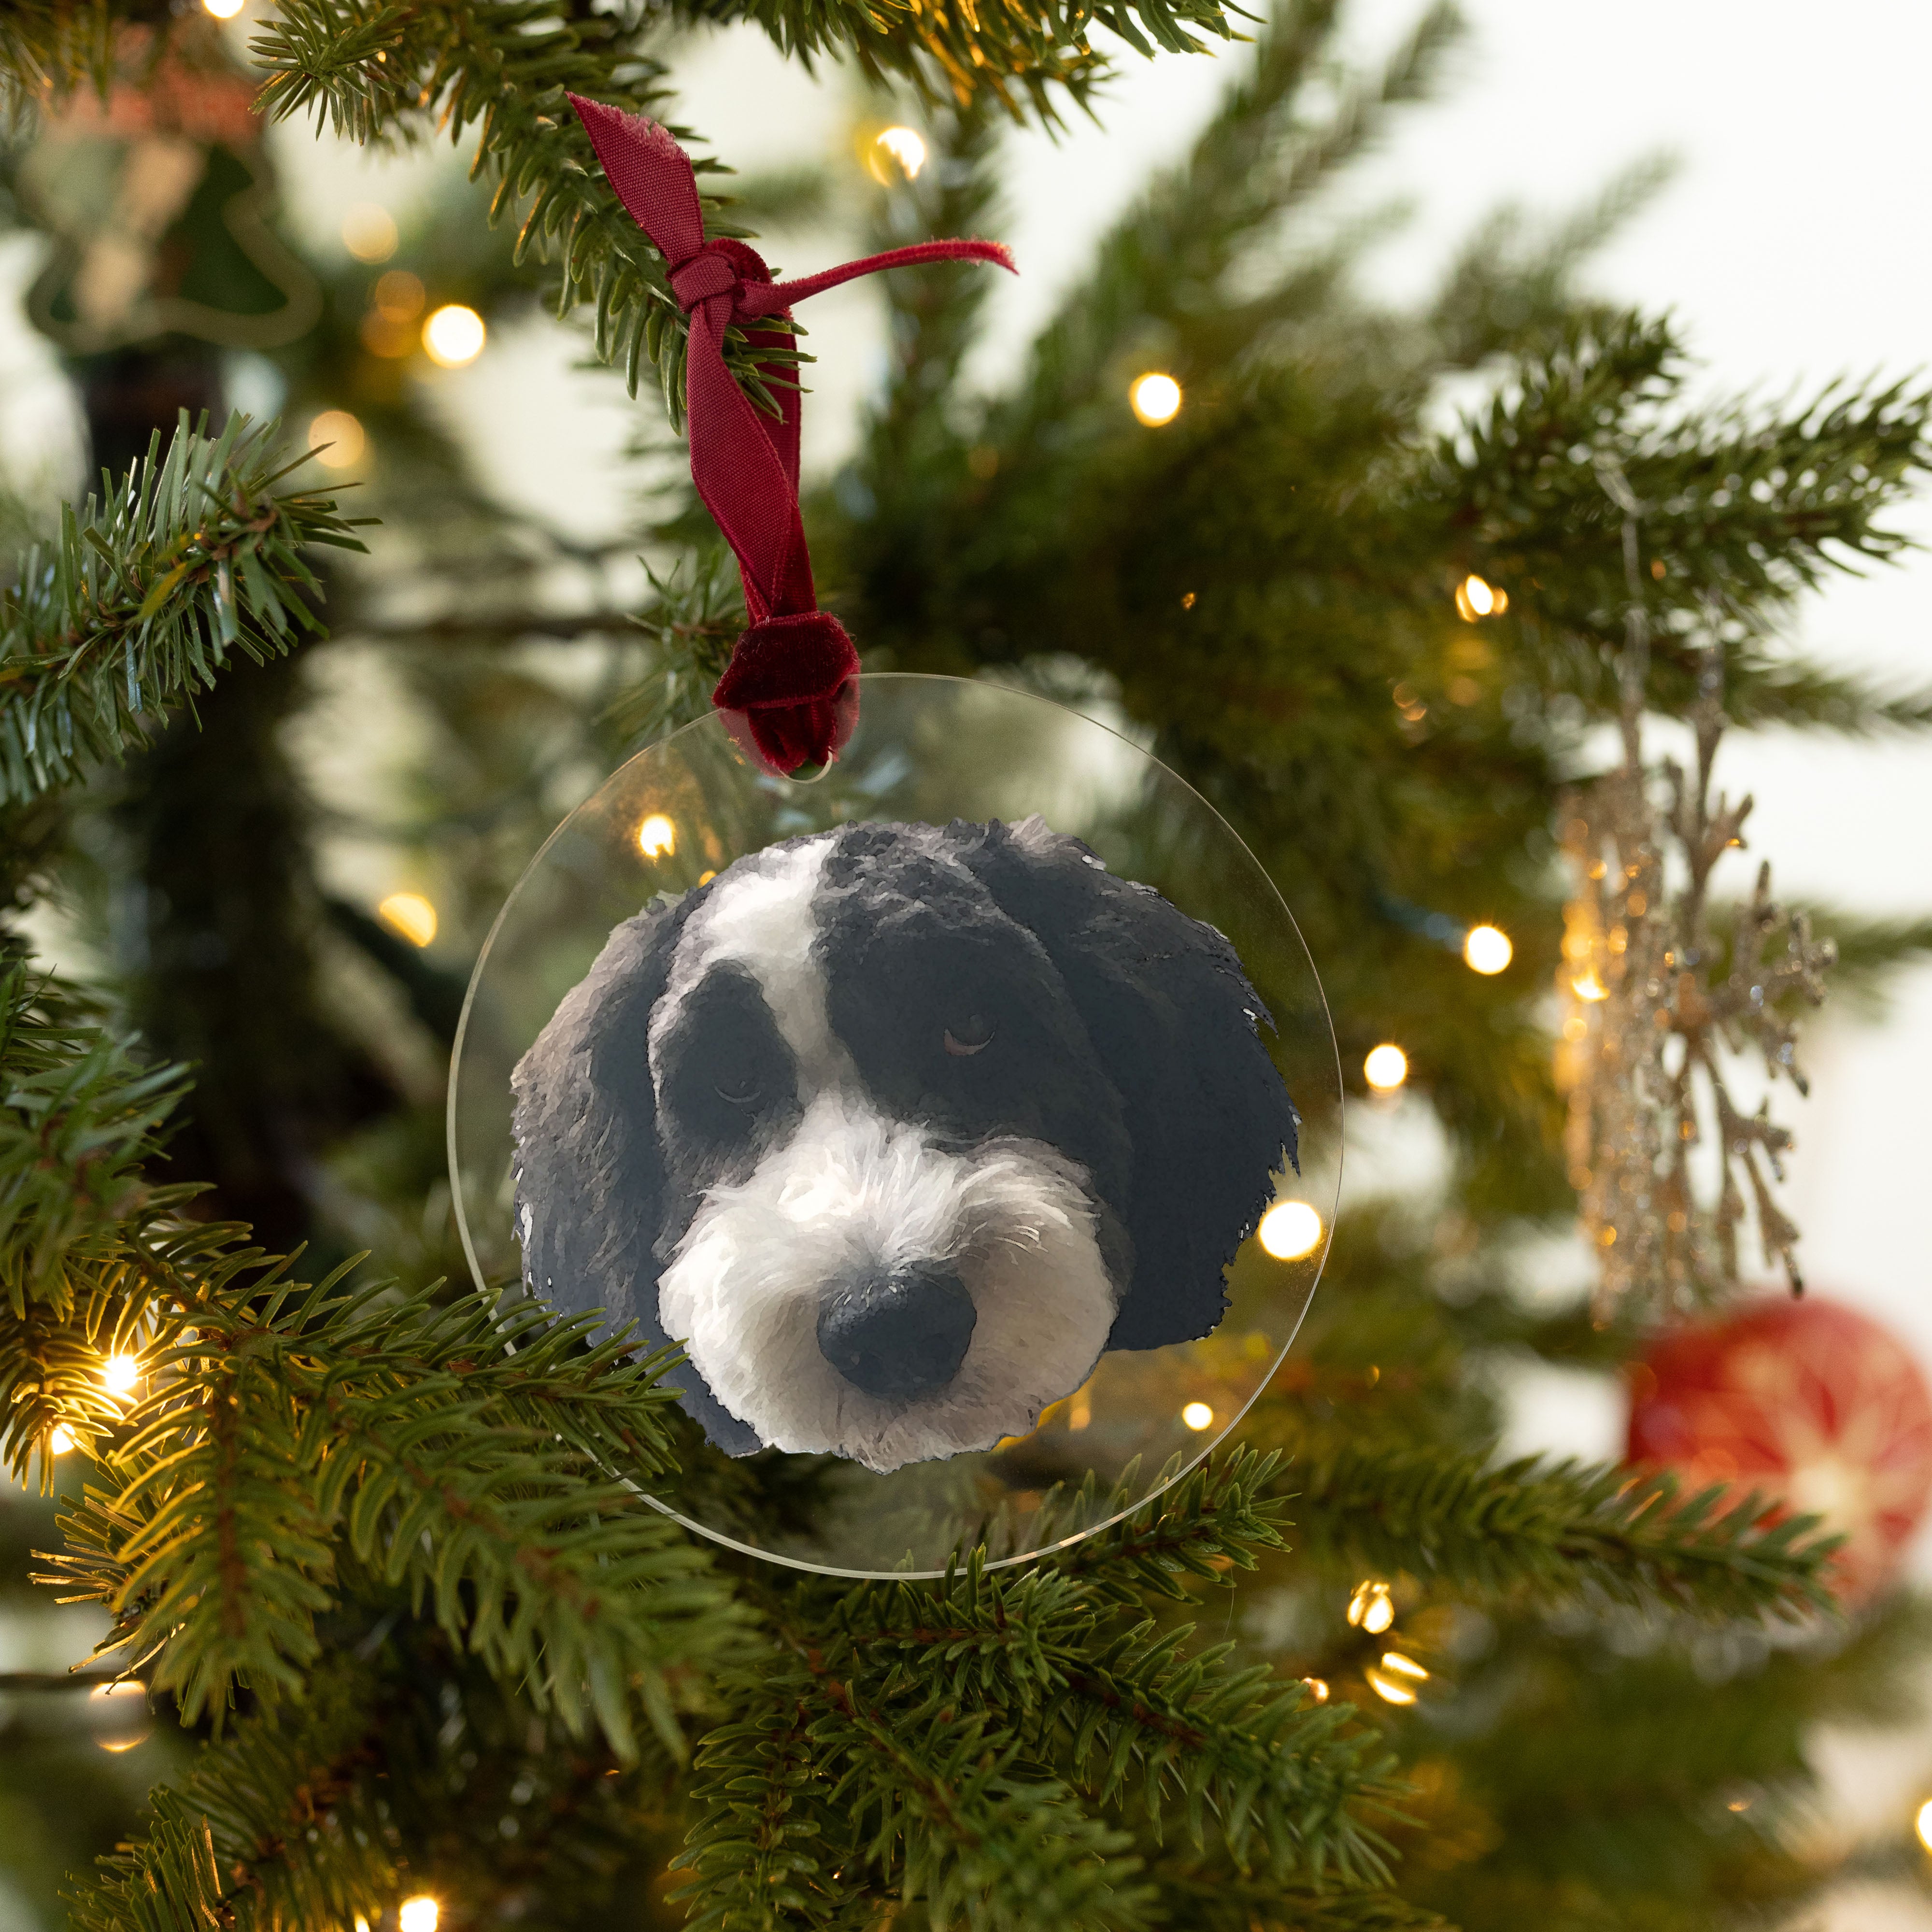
(284, 1823)
(1251, 165)
(79, 1113)
(1559, 1535)
(450, 1452)
(376, 71)
(139, 601)
(1131, 1715)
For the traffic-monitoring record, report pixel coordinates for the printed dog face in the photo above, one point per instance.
(896, 1128)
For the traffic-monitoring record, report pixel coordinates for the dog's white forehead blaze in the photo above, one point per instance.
(761, 917)
(852, 1193)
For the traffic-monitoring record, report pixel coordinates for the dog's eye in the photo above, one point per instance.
(741, 1087)
(973, 1035)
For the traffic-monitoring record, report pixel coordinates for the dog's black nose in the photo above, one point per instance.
(900, 1335)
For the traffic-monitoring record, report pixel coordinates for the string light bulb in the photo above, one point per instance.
(454, 336)
(1404, 1666)
(410, 914)
(60, 1440)
(906, 146)
(1922, 1824)
(1486, 950)
(657, 837)
(1155, 398)
(419, 1914)
(1390, 1689)
(223, 10)
(1198, 1416)
(1386, 1068)
(1317, 1688)
(1476, 599)
(120, 1373)
(1289, 1230)
(1588, 986)
(1372, 1608)
(121, 1715)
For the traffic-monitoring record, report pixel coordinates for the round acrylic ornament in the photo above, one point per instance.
(927, 752)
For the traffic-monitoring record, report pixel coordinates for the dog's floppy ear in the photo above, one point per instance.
(590, 1173)
(1176, 1026)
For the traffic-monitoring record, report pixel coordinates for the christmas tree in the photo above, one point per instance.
(405, 1647)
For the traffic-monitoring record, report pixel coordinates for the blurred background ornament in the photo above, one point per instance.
(158, 196)
(1810, 1403)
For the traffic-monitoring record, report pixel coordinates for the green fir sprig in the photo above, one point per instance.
(192, 556)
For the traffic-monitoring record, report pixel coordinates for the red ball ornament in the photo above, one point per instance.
(1809, 1403)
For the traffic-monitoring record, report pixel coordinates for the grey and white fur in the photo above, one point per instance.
(896, 1128)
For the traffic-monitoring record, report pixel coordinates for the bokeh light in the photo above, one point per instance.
(454, 336)
(1476, 598)
(223, 10)
(1155, 398)
(410, 914)
(1198, 1416)
(1372, 1608)
(1289, 1230)
(419, 1914)
(657, 837)
(1386, 1068)
(369, 231)
(337, 439)
(1486, 949)
(906, 147)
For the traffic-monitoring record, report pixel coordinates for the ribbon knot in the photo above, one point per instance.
(708, 274)
(790, 679)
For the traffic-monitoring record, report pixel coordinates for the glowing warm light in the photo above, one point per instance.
(657, 837)
(419, 1914)
(906, 148)
(1198, 1416)
(1386, 1068)
(223, 10)
(1372, 1608)
(1290, 1229)
(1486, 949)
(1922, 1824)
(454, 336)
(1475, 599)
(1390, 1689)
(1318, 1689)
(121, 1711)
(61, 1440)
(361, 1924)
(369, 232)
(1404, 1666)
(410, 914)
(705, 878)
(1588, 986)
(121, 1373)
(337, 439)
(1155, 398)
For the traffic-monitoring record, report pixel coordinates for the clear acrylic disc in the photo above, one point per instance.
(927, 752)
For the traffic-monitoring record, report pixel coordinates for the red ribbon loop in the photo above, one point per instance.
(789, 680)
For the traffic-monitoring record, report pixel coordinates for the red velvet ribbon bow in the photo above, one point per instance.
(790, 677)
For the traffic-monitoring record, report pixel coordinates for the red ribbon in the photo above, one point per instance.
(790, 677)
